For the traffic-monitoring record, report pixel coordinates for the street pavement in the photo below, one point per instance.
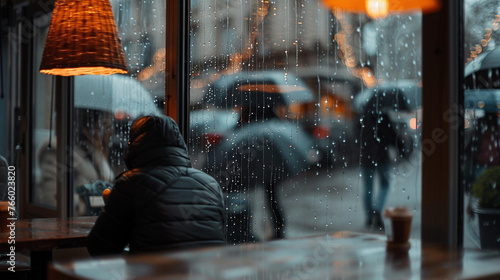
(330, 200)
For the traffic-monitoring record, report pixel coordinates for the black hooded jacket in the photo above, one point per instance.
(161, 203)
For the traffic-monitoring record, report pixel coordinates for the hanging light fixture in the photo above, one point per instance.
(83, 40)
(381, 8)
(377, 8)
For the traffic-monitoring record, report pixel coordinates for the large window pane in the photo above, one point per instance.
(105, 106)
(481, 153)
(297, 111)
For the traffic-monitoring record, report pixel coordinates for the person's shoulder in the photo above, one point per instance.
(196, 173)
(125, 175)
(140, 184)
(203, 179)
(133, 176)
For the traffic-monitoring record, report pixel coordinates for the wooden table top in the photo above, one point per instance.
(343, 255)
(48, 233)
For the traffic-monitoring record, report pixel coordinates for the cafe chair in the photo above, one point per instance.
(91, 194)
(22, 267)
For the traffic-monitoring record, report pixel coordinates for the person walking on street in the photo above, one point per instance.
(377, 136)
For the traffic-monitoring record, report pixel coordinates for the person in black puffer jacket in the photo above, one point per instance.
(161, 202)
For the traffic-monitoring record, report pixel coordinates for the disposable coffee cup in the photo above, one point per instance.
(4, 214)
(400, 219)
(105, 194)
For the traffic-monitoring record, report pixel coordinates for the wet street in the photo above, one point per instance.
(330, 199)
(323, 201)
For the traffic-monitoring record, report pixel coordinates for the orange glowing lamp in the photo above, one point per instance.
(377, 8)
(83, 40)
(381, 8)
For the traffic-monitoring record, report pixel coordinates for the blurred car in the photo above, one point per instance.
(482, 101)
(248, 97)
(330, 117)
(207, 129)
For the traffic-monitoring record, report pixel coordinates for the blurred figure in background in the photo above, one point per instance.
(488, 143)
(377, 136)
(90, 158)
(153, 78)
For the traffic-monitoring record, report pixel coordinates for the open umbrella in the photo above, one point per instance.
(487, 60)
(403, 96)
(260, 154)
(115, 94)
(263, 88)
(269, 147)
(484, 71)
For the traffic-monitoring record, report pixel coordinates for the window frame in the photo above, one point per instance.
(63, 92)
(442, 193)
(63, 98)
(177, 64)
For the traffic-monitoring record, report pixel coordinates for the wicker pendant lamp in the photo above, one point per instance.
(83, 40)
(381, 8)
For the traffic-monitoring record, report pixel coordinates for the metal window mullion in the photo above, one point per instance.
(442, 69)
(456, 101)
(177, 64)
(64, 132)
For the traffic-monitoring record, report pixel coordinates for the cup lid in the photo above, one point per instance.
(398, 212)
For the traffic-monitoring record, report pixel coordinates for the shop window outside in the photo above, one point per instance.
(104, 108)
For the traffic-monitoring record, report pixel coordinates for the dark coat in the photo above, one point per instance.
(161, 203)
(377, 135)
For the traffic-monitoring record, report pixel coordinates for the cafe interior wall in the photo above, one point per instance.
(434, 26)
(3, 102)
(9, 124)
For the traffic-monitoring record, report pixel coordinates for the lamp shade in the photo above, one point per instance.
(398, 6)
(83, 40)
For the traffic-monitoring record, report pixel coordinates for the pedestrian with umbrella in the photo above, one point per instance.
(103, 107)
(263, 149)
(378, 134)
(482, 96)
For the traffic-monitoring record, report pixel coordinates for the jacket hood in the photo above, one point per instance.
(156, 140)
